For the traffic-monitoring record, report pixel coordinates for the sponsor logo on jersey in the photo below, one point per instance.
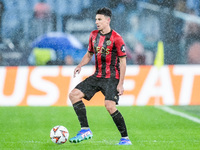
(102, 50)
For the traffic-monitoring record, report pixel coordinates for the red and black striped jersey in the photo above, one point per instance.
(107, 50)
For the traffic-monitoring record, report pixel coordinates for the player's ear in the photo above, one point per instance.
(109, 19)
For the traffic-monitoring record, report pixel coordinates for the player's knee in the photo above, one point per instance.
(75, 95)
(110, 106)
(71, 95)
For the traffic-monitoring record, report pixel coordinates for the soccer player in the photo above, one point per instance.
(110, 62)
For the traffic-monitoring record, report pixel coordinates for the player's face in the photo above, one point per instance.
(102, 22)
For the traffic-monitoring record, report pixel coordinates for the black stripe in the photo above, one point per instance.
(103, 55)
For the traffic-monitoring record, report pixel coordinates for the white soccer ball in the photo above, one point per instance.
(59, 134)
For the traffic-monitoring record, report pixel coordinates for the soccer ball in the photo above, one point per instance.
(59, 134)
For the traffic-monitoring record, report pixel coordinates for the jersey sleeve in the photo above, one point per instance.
(120, 45)
(90, 45)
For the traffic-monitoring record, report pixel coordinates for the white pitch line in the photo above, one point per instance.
(177, 113)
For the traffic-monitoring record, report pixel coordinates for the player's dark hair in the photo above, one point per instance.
(104, 11)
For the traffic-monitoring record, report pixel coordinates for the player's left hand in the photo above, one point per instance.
(120, 89)
(77, 70)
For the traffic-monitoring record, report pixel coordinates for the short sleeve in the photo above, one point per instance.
(90, 45)
(120, 45)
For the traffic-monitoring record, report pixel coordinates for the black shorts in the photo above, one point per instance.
(92, 84)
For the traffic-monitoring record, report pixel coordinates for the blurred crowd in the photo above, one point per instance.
(142, 23)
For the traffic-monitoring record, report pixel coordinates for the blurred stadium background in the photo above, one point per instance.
(142, 23)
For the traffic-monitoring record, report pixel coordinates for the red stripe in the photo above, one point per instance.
(101, 41)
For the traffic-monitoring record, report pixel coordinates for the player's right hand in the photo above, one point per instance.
(77, 70)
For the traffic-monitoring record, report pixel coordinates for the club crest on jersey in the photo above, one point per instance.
(94, 41)
(123, 48)
(108, 42)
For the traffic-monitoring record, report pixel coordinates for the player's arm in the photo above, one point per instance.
(85, 60)
(120, 87)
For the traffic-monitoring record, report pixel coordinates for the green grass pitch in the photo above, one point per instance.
(149, 128)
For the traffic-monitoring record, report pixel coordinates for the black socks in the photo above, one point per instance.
(118, 119)
(120, 123)
(80, 110)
